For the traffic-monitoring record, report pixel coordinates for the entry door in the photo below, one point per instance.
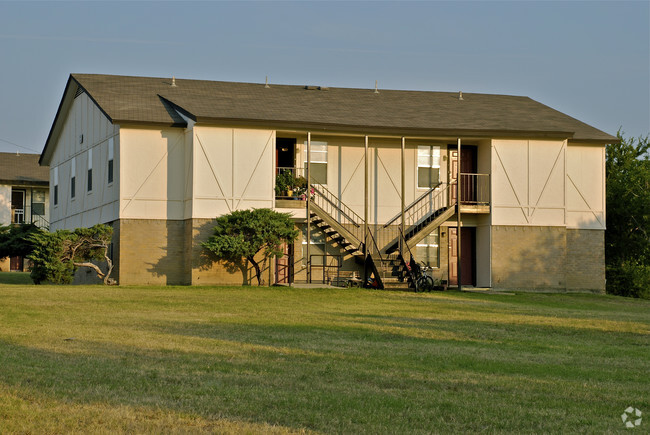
(467, 254)
(16, 263)
(468, 165)
(18, 206)
(284, 265)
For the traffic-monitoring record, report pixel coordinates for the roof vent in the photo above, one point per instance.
(376, 90)
(460, 96)
(266, 85)
(173, 82)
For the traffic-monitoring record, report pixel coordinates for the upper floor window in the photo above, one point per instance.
(318, 157)
(428, 166)
(55, 194)
(73, 178)
(110, 161)
(90, 170)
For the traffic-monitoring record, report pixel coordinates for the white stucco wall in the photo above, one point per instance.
(99, 205)
(528, 182)
(5, 204)
(153, 173)
(586, 187)
(234, 169)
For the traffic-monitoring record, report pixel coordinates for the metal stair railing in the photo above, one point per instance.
(405, 264)
(334, 207)
(413, 204)
(437, 201)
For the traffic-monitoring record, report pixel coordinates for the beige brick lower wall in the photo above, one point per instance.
(548, 258)
(526, 257)
(152, 252)
(585, 262)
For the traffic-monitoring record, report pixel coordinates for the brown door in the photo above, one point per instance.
(453, 256)
(467, 256)
(468, 165)
(284, 266)
(16, 263)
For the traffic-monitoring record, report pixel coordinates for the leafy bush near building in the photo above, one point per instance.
(58, 255)
(15, 240)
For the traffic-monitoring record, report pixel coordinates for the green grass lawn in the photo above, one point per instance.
(20, 278)
(232, 360)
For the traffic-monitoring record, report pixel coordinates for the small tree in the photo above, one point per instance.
(243, 234)
(57, 255)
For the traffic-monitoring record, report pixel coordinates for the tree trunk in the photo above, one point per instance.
(258, 272)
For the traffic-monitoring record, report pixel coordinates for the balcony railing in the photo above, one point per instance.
(475, 189)
(290, 183)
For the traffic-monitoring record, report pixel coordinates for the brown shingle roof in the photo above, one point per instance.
(22, 169)
(126, 99)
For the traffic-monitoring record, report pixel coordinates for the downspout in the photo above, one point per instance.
(401, 239)
(458, 201)
(365, 212)
(308, 260)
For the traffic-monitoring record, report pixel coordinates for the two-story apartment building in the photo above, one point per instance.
(374, 172)
(24, 196)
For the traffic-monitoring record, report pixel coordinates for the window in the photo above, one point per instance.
(318, 161)
(428, 249)
(316, 247)
(73, 178)
(428, 166)
(110, 160)
(56, 186)
(90, 170)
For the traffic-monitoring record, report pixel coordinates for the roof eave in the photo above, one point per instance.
(395, 131)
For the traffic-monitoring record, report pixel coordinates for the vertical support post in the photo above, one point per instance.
(458, 202)
(308, 259)
(401, 240)
(365, 212)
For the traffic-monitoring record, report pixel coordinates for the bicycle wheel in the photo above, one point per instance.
(425, 283)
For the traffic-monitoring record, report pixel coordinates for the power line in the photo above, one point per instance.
(19, 146)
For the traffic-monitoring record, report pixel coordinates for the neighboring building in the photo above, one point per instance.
(159, 159)
(24, 196)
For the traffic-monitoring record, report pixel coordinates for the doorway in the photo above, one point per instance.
(18, 206)
(285, 149)
(284, 265)
(468, 165)
(468, 255)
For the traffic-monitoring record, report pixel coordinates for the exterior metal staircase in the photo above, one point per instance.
(385, 266)
(424, 215)
(345, 228)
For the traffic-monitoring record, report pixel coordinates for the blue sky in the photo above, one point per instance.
(588, 59)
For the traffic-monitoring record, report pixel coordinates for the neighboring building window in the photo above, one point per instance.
(318, 161)
(90, 170)
(428, 249)
(428, 166)
(73, 177)
(38, 203)
(316, 247)
(56, 186)
(110, 160)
